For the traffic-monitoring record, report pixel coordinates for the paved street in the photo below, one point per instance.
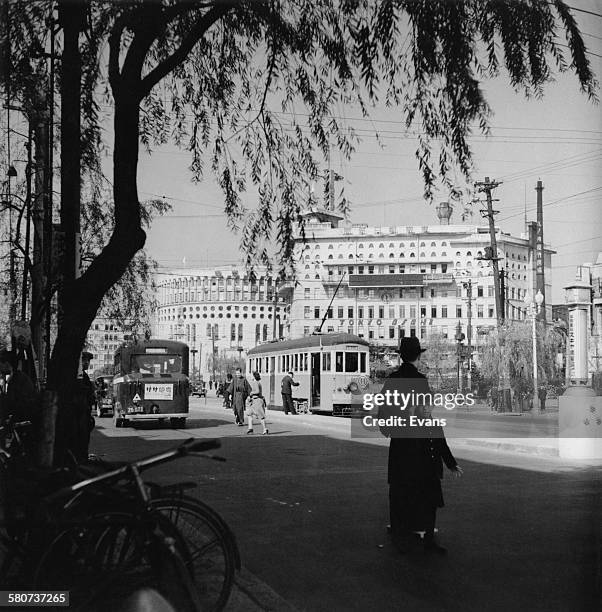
(309, 509)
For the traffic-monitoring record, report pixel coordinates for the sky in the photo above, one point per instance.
(557, 140)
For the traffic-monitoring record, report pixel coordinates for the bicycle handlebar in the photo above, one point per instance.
(188, 447)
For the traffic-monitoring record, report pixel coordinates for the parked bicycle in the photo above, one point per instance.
(111, 533)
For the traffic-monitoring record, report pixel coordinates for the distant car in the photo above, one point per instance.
(198, 390)
(104, 396)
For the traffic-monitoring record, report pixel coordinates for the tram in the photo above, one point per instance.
(151, 382)
(332, 370)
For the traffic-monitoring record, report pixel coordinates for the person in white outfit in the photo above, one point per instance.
(256, 405)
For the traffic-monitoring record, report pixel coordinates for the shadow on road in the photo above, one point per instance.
(310, 511)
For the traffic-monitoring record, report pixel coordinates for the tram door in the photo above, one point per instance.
(315, 379)
(272, 381)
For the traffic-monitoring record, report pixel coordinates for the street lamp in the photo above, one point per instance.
(459, 338)
(193, 352)
(533, 309)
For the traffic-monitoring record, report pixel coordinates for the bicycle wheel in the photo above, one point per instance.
(211, 544)
(109, 556)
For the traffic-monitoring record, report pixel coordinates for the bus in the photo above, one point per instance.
(333, 371)
(151, 382)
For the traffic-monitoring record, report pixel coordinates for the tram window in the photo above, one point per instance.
(296, 362)
(326, 362)
(338, 361)
(363, 363)
(351, 362)
(305, 362)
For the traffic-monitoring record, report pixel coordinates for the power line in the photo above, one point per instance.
(580, 10)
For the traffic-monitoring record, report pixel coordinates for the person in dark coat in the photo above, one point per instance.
(239, 391)
(287, 393)
(17, 392)
(542, 394)
(416, 456)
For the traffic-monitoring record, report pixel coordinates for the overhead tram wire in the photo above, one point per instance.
(559, 201)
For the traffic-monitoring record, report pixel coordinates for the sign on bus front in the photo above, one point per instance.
(158, 391)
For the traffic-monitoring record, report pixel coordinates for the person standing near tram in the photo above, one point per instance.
(256, 407)
(239, 390)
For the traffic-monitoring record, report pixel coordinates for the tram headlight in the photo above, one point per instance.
(353, 387)
(155, 409)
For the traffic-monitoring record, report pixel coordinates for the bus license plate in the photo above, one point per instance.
(158, 391)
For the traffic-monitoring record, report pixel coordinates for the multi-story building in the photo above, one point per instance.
(218, 311)
(390, 282)
(103, 339)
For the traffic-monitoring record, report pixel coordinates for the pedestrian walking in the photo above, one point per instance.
(542, 394)
(256, 404)
(416, 456)
(287, 393)
(227, 398)
(239, 391)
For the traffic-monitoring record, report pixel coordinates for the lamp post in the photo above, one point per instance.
(193, 352)
(534, 308)
(459, 337)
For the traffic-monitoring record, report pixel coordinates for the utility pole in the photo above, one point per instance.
(468, 287)
(26, 260)
(540, 253)
(274, 307)
(503, 277)
(486, 187)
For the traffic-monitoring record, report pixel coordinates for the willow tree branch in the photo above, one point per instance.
(196, 32)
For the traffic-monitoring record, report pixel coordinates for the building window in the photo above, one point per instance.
(433, 312)
(307, 312)
(360, 312)
(391, 333)
(370, 269)
(306, 331)
(444, 312)
(316, 312)
(459, 312)
(490, 310)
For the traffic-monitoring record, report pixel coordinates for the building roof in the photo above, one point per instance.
(307, 342)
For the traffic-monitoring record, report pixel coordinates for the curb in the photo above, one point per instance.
(512, 447)
(250, 593)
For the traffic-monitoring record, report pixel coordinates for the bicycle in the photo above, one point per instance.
(113, 536)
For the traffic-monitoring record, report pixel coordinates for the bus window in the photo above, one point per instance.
(363, 363)
(339, 361)
(351, 362)
(325, 362)
(156, 364)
